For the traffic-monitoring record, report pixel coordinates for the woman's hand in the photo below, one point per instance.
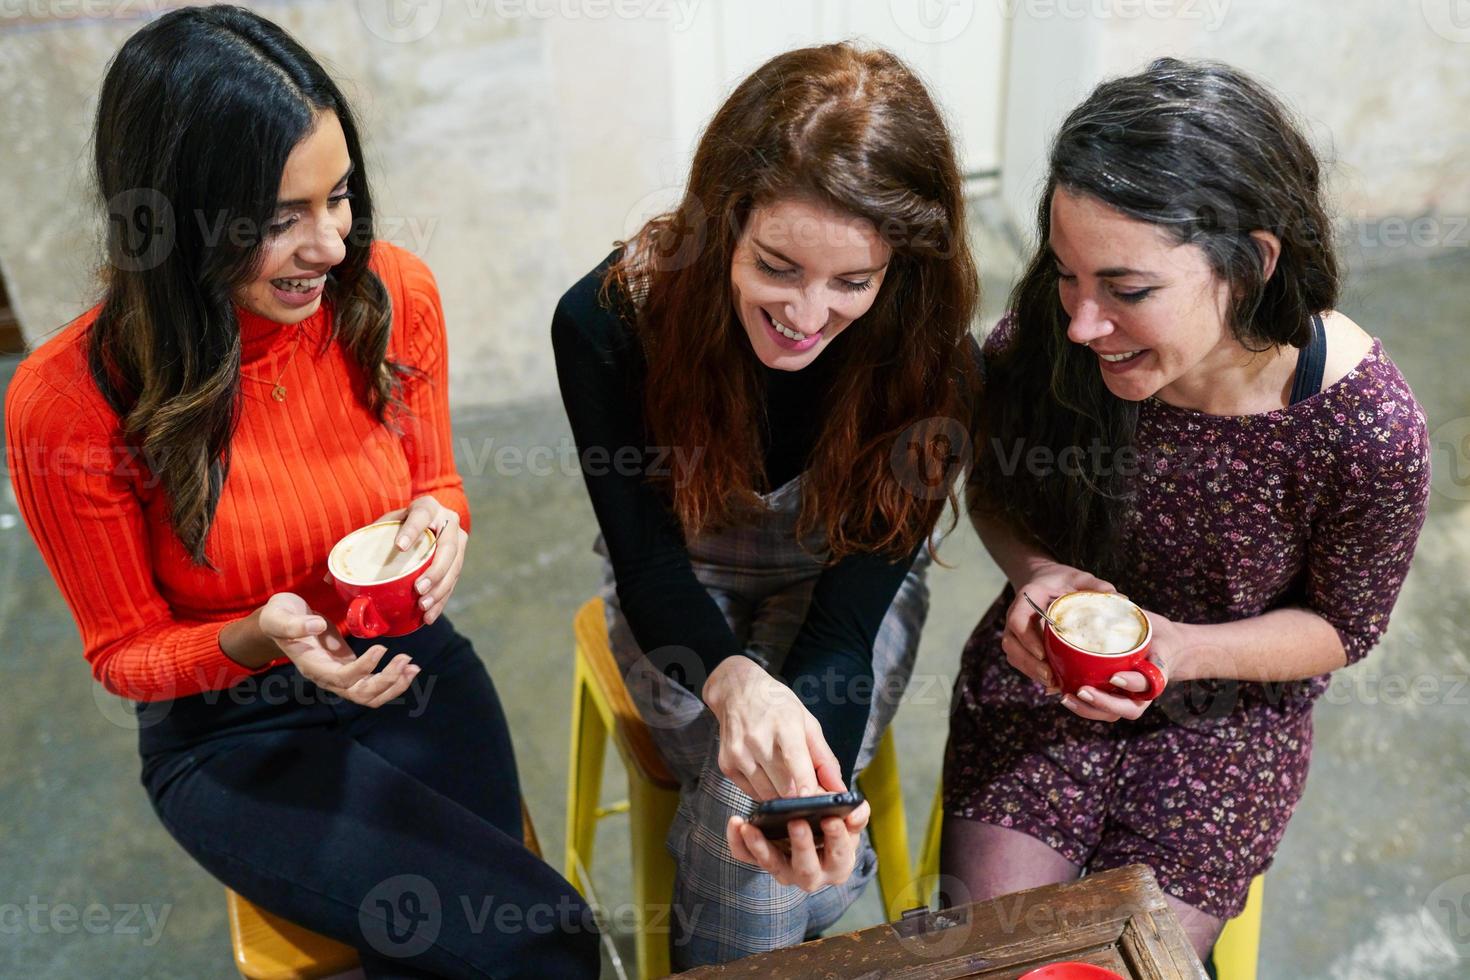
(1022, 641)
(810, 866)
(770, 745)
(438, 582)
(325, 659)
(1103, 705)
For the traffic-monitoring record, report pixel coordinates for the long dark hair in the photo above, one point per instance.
(198, 113)
(857, 130)
(1208, 154)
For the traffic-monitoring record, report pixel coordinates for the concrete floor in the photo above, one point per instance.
(1371, 882)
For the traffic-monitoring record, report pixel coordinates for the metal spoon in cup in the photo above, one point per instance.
(1042, 613)
(1060, 632)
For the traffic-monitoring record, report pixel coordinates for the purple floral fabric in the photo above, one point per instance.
(1317, 505)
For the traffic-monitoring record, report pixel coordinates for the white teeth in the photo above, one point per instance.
(1116, 358)
(299, 285)
(786, 331)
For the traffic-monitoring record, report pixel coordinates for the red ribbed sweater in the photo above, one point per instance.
(303, 472)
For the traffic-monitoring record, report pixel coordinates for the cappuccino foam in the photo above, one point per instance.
(1099, 621)
(370, 554)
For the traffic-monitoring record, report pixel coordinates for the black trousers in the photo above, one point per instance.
(396, 830)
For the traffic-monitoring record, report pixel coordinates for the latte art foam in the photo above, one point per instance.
(370, 555)
(1101, 622)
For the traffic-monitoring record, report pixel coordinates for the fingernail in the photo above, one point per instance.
(403, 541)
(316, 625)
(425, 602)
(1067, 700)
(413, 670)
(1117, 680)
(1085, 695)
(423, 585)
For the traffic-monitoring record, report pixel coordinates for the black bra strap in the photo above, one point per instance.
(1310, 362)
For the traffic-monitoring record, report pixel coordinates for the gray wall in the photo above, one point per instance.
(1384, 88)
(510, 146)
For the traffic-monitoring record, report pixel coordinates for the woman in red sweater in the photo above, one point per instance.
(260, 378)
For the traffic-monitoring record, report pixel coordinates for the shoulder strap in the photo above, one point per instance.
(1311, 360)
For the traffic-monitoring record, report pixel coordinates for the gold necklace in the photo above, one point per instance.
(278, 390)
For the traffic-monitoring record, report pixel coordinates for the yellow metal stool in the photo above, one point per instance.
(268, 947)
(601, 707)
(1237, 951)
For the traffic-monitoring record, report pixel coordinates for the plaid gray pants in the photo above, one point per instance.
(762, 580)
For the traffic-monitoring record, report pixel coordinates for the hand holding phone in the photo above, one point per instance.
(813, 857)
(773, 817)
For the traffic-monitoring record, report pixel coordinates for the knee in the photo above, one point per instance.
(731, 917)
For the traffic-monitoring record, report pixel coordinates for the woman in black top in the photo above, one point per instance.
(765, 500)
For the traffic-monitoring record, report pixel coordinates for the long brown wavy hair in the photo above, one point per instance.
(855, 129)
(164, 350)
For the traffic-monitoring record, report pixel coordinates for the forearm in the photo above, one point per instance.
(1282, 645)
(244, 642)
(1020, 559)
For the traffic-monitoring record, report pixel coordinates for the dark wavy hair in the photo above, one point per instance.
(854, 129)
(198, 112)
(1209, 155)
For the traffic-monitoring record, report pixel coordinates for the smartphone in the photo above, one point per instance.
(771, 817)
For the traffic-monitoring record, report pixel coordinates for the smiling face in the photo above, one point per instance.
(802, 272)
(1152, 311)
(304, 237)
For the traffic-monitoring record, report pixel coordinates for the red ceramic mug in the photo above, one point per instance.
(1072, 970)
(1103, 634)
(376, 579)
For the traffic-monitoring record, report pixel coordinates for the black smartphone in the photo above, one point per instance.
(772, 816)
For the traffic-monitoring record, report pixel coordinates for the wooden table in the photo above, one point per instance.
(1116, 919)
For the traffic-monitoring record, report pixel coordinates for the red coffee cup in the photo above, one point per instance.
(1074, 666)
(376, 579)
(1073, 970)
